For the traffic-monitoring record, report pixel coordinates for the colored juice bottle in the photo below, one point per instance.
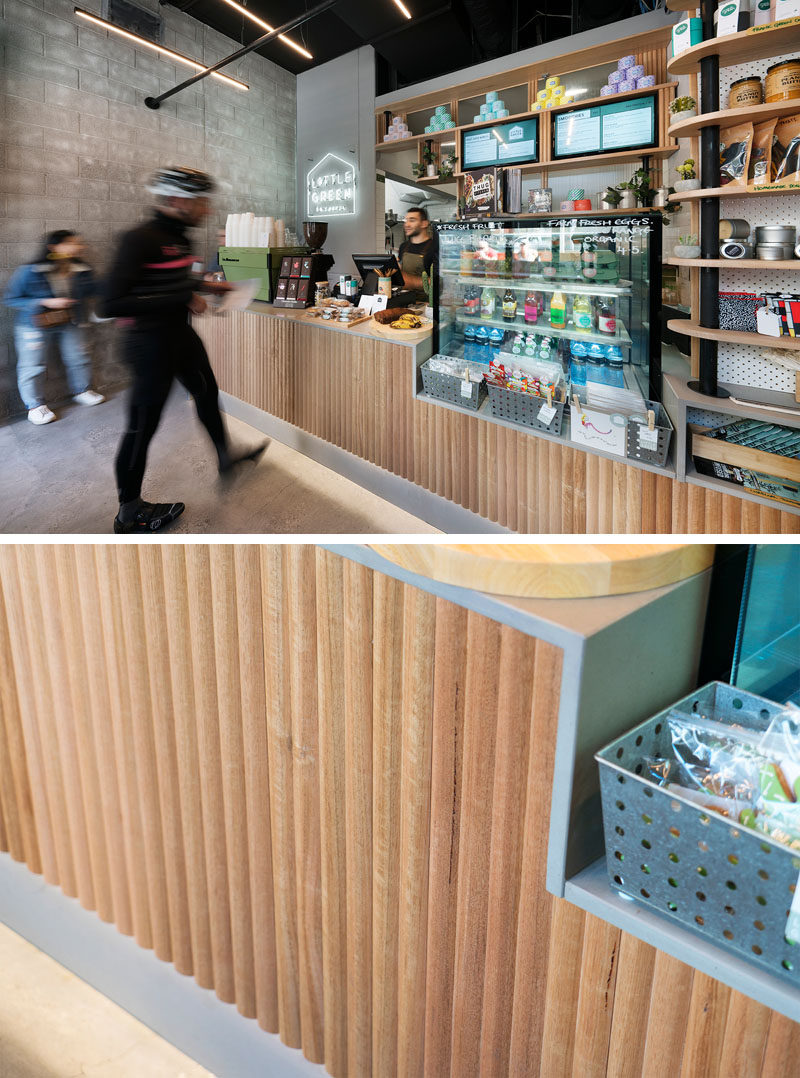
(531, 307)
(558, 310)
(582, 314)
(488, 302)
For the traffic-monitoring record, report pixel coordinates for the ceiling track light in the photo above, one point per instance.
(403, 8)
(266, 26)
(167, 54)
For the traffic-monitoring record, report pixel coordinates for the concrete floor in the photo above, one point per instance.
(54, 1025)
(60, 479)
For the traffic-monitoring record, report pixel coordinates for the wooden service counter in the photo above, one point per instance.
(350, 399)
(349, 800)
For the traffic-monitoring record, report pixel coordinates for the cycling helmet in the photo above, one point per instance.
(181, 182)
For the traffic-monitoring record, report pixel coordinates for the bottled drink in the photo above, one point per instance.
(509, 306)
(558, 310)
(582, 314)
(607, 316)
(518, 346)
(531, 307)
(472, 301)
(488, 301)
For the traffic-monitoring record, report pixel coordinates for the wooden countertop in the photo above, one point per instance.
(364, 329)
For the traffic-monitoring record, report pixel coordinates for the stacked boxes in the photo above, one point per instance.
(628, 76)
(493, 108)
(552, 95)
(398, 129)
(440, 121)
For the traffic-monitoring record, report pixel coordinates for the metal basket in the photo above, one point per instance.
(449, 387)
(732, 885)
(663, 427)
(523, 408)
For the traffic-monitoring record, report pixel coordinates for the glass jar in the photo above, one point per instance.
(322, 292)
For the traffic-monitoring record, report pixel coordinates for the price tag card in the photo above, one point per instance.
(547, 413)
(371, 304)
(466, 389)
(648, 439)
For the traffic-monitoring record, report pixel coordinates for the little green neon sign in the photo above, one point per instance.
(331, 188)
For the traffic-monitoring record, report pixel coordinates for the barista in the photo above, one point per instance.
(419, 251)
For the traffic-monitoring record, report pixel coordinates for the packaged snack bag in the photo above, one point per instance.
(735, 145)
(759, 169)
(787, 148)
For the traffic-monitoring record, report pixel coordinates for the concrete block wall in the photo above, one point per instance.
(77, 143)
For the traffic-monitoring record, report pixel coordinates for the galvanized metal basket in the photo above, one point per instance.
(732, 885)
(638, 433)
(451, 388)
(523, 408)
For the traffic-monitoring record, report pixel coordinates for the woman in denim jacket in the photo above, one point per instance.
(57, 283)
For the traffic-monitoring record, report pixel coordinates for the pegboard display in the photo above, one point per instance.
(705, 418)
(740, 364)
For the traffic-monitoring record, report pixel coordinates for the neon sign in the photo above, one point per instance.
(331, 187)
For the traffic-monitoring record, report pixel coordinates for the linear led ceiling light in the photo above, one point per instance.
(403, 8)
(266, 26)
(168, 54)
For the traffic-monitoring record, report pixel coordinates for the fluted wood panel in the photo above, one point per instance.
(355, 392)
(325, 794)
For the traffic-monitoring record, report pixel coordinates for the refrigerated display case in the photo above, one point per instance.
(580, 292)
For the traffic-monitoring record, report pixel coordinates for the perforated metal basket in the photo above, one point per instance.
(523, 408)
(450, 387)
(637, 433)
(732, 885)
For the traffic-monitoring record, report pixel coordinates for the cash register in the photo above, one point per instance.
(369, 266)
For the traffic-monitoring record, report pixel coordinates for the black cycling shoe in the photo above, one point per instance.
(149, 517)
(241, 456)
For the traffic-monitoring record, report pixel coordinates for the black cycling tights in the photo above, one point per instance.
(155, 359)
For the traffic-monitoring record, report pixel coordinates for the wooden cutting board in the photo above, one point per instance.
(553, 570)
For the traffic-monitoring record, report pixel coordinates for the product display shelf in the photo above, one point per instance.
(732, 191)
(723, 487)
(753, 113)
(759, 340)
(436, 181)
(735, 263)
(447, 135)
(547, 330)
(569, 288)
(757, 43)
(593, 161)
(682, 5)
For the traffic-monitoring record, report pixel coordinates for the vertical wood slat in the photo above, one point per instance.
(302, 668)
(331, 706)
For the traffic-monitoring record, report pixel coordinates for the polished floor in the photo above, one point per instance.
(54, 1025)
(59, 479)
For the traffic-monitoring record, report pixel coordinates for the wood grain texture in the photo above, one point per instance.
(313, 787)
(355, 392)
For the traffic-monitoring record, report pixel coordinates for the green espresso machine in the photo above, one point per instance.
(244, 263)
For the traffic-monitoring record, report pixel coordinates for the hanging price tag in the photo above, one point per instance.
(546, 414)
(648, 439)
(466, 389)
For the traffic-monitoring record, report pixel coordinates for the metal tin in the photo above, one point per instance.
(774, 252)
(735, 249)
(783, 234)
(734, 228)
(783, 80)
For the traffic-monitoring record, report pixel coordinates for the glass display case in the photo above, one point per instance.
(580, 293)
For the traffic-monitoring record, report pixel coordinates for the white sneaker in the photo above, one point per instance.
(41, 415)
(89, 397)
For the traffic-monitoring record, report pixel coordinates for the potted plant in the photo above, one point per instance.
(688, 177)
(429, 160)
(687, 247)
(447, 165)
(610, 198)
(417, 169)
(637, 188)
(683, 108)
(462, 206)
(427, 288)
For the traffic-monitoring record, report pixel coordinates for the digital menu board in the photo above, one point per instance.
(618, 125)
(503, 144)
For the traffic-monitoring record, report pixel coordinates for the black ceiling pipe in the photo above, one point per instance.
(488, 24)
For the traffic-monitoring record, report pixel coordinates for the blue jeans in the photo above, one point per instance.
(31, 344)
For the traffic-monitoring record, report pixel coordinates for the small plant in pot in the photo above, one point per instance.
(417, 169)
(688, 177)
(610, 198)
(447, 165)
(637, 189)
(687, 247)
(683, 108)
(429, 160)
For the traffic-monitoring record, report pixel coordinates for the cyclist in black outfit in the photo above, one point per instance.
(152, 288)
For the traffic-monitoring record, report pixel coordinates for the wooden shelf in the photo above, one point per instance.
(759, 340)
(754, 113)
(436, 181)
(611, 97)
(732, 191)
(757, 43)
(415, 140)
(733, 263)
(682, 5)
(603, 160)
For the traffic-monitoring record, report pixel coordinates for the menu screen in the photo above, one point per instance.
(503, 144)
(619, 125)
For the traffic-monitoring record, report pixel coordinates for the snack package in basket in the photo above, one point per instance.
(751, 777)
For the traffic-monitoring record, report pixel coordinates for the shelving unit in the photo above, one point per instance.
(734, 263)
(759, 340)
(757, 43)
(570, 331)
(734, 191)
(570, 288)
(753, 113)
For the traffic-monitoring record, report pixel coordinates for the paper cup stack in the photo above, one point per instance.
(247, 230)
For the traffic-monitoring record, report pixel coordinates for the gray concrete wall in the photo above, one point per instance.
(77, 143)
(335, 114)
